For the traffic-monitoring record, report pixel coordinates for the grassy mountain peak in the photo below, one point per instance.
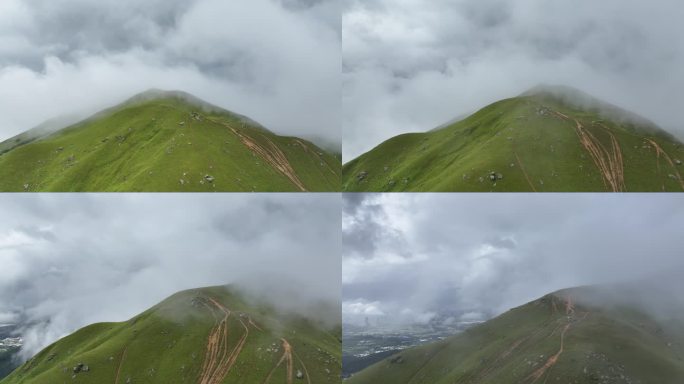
(166, 141)
(550, 138)
(568, 336)
(208, 336)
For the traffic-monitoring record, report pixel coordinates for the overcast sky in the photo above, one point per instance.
(276, 61)
(409, 256)
(79, 259)
(411, 65)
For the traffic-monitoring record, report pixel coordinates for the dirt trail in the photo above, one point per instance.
(253, 324)
(609, 162)
(536, 375)
(660, 151)
(306, 372)
(618, 162)
(551, 361)
(273, 155)
(218, 358)
(522, 168)
(320, 159)
(121, 360)
(477, 377)
(569, 306)
(287, 358)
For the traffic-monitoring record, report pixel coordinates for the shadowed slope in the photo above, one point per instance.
(564, 337)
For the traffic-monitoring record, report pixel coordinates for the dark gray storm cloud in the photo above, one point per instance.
(71, 260)
(277, 61)
(483, 254)
(410, 65)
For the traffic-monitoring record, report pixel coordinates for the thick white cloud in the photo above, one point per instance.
(411, 255)
(63, 256)
(278, 63)
(410, 66)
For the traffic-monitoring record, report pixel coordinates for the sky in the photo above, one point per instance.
(409, 257)
(276, 61)
(412, 65)
(73, 260)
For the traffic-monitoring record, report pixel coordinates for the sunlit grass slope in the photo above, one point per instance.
(546, 140)
(206, 336)
(166, 141)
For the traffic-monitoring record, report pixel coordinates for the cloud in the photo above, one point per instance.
(409, 67)
(276, 62)
(65, 255)
(487, 253)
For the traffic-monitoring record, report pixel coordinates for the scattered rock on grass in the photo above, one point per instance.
(80, 367)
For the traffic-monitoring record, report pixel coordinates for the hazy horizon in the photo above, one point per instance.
(409, 257)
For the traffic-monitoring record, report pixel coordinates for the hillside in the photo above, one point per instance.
(547, 139)
(164, 141)
(564, 337)
(203, 336)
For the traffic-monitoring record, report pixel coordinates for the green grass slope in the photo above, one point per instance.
(547, 139)
(204, 336)
(166, 141)
(555, 339)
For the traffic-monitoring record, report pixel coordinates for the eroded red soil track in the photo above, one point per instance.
(219, 358)
(287, 358)
(659, 152)
(551, 361)
(272, 155)
(608, 161)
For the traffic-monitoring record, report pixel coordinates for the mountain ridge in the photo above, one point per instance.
(569, 336)
(208, 335)
(539, 141)
(167, 141)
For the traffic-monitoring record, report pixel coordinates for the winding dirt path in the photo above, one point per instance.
(536, 375)
(609, 162)
(253, 324)
(306, 372)
(320, 159)
(287, 358)
(551, 361)
(219, 358)
(477, 377)
(522, 168)
(660, 151)
(569, 306)
(273, 155)
(121, 360)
